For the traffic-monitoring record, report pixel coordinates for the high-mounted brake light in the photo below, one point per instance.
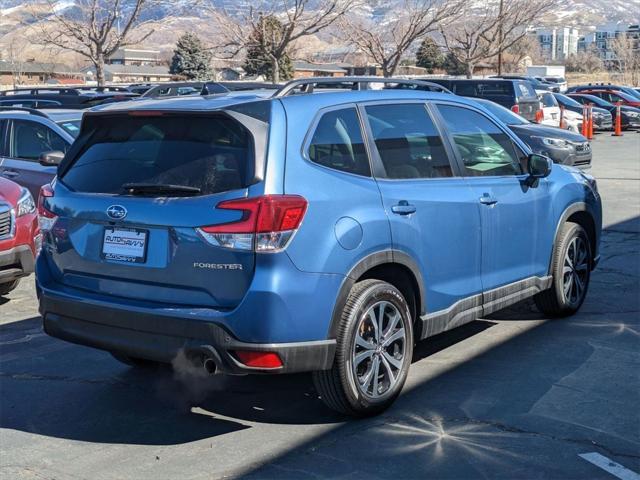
(46, 218)
(145, 113)
(515, 109)
(267, 225)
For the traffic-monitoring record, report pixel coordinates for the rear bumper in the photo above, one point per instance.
(163, 338)
(15, 263)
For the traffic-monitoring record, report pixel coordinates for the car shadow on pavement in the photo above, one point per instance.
(531, 381)
(62, 390)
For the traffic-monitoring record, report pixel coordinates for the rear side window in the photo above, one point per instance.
(211, 153)
(337, 143)
(407, 141)
(485, 149)
(525, 89)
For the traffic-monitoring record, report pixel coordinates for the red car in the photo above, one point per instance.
(614, 96)
(20, 237)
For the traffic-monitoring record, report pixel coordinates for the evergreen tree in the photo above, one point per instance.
(264, 55)
(453, 66)
(191, 59)
(429, 55)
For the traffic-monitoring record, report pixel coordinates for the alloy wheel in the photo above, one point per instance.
(575, 271)
(379, 349)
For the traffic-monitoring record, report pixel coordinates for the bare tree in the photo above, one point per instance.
(16, 60)
(584, 62)
(627, 58)
(386, 39)
(95, 30)
(491, 30)
(297, 19)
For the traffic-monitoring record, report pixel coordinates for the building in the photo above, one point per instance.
(303, 69)
(32, 73)
(604, 37)
(117, 73)
(557, 43)
(131, 56)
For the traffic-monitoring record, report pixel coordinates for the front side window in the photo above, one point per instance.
(484, 148)
(30, 139)
(407, 141)
(337, 143)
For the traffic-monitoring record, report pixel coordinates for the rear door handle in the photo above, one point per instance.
(403, 208)
(487, 199)
(10, 173)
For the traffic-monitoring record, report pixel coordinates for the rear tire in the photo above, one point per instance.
(571, 270)
(373, 351)
(5, 288)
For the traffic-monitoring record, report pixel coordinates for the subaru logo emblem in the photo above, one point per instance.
(117, 212)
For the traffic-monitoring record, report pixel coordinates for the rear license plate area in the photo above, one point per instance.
(125, 244)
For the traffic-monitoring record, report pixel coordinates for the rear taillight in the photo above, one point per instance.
(46, 218)
(539, 116)
(267, 224)
(515, 109)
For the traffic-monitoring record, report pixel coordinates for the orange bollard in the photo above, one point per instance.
(617, 129)
(539, 116)
(584, 121)
(590, 122)
(562, 125)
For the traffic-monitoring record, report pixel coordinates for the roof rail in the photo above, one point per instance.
(32, 111)
(35, 90)
(307, 85)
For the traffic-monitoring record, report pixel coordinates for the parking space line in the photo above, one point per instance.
(610, 466)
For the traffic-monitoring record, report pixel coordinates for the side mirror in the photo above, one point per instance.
(51, 159)
(539, 166)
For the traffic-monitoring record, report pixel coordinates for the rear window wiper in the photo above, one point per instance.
(159, 189)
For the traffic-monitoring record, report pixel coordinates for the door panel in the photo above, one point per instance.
(515, 216)
(434, 216)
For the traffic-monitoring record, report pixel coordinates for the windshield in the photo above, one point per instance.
(567, 101)
(632, 93)
(584, 98)
(626, 97)
(504, 114)
(72, 127)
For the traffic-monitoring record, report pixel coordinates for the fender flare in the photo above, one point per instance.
(365, 264)
(570, 210)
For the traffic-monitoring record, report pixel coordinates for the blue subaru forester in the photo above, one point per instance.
(321, 230)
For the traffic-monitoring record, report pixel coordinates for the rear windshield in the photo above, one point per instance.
(484, 89)
(211, 153)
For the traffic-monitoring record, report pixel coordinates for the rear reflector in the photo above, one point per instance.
(267, 224)
(259, 359)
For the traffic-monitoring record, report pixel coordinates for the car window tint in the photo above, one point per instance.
(408, 142)
(485, 149)
(526, 89)
(549, 100)
(337, 143)
(211, 153)
(30, 139)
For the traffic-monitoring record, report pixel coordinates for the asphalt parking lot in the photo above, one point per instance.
(510, 396)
